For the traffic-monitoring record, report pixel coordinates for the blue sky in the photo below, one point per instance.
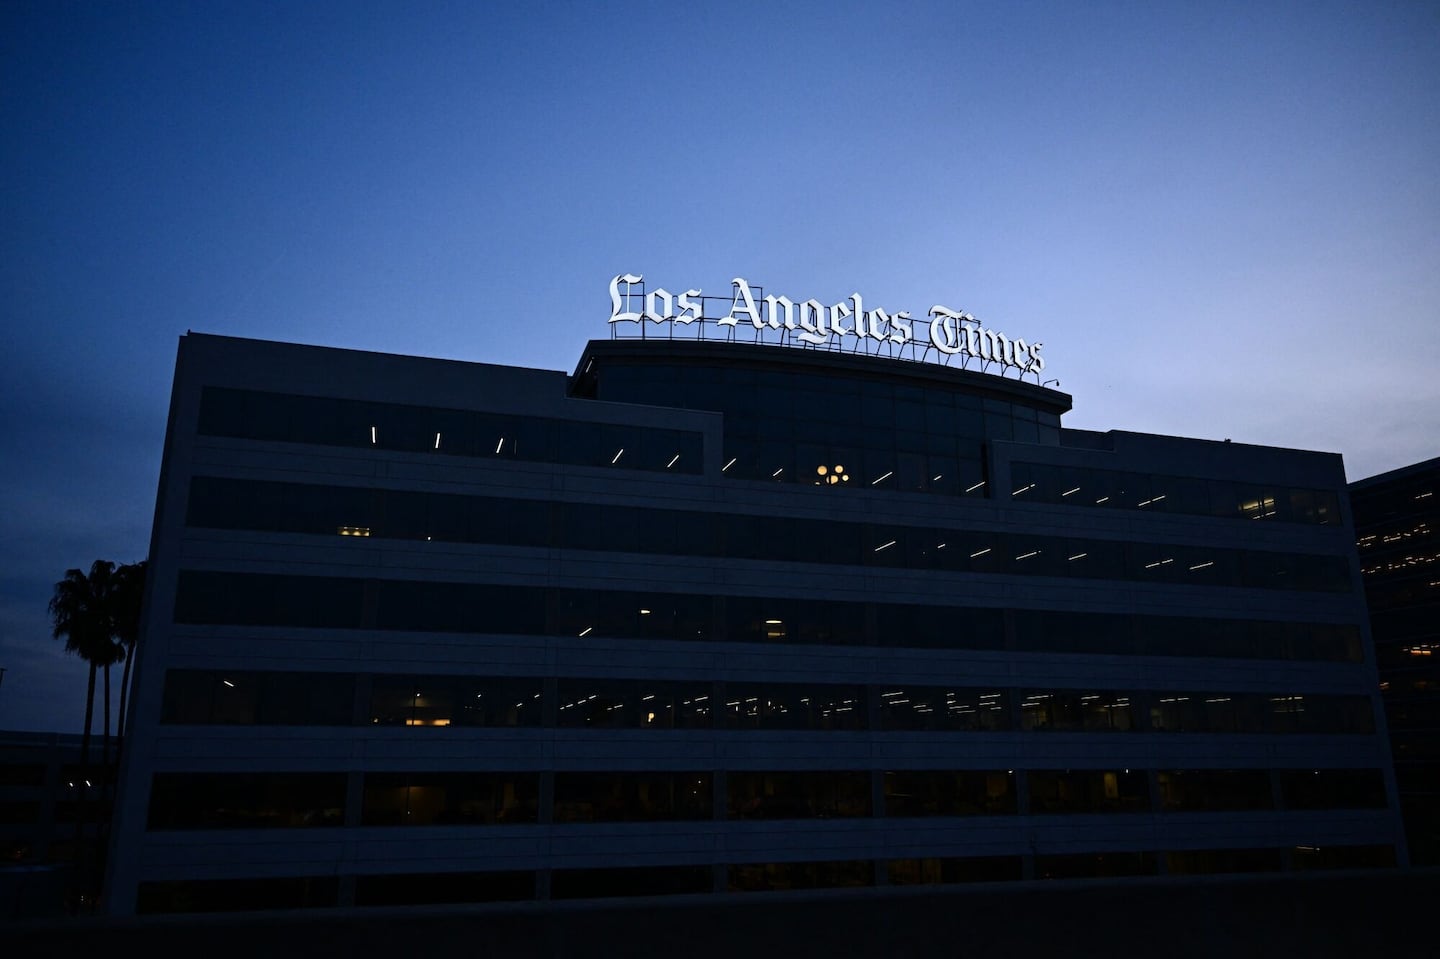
(1223, 219)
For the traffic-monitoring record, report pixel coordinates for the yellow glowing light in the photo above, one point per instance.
(821, 470)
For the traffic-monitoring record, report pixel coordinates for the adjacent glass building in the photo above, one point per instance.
(715, 617)
(1397, 515)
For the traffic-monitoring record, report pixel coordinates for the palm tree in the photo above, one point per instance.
(81, 612)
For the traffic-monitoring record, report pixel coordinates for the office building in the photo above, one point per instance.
(717, 617)
(1396, 516)
(48, 800)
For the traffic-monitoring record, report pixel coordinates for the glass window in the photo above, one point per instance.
(1192, 790)
(246, 800)
(941, 793)
(1095, 865)
(1333, 788)
(437, 799)
(798, 795)
(1076, 710)
(941, 708)
(913, 872)
(1088, 791)
(411, 889)
(22, 774)
(629, 881)
(1207, 712)
(633, 704)
(1206, 861)
(1342, 857)
(235, 895)
(632, 796)
(307, 699)
(765, 877)
(793, 706)
(498, 701)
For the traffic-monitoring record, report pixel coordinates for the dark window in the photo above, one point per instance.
(19, 812)
(632, 796)
(435, 799)
(1342, 857)
(766, 877)
(1093, 865)
(236, 895)
(1333, 788)
(1202, 861)
(22, 774)
(798, 795)
(911, 872)
(255, 599)
(629, 881)
(409, 889)
(205, 697)
(938, 793)
(1214, 790)
(1088, 791)
(246, 800)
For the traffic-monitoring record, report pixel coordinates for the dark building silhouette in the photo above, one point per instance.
(43, 800)
(721, 617)
(1396, 518)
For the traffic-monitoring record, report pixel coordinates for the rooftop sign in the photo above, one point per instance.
(849, 325)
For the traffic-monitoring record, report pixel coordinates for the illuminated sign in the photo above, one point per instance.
(950, 332)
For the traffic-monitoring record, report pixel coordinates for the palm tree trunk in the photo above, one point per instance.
(89, 722)
(83, 805)
(102, 818)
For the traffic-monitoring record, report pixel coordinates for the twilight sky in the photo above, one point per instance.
(1222, 219)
